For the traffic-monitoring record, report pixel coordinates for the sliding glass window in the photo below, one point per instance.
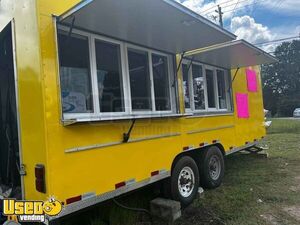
(205, 88)
(140, 84)
(109, 76)
(222, 89)
(198, 86)
(103, 78)
(161, 82)
(186, 86)
(211, 88)
(75, 76)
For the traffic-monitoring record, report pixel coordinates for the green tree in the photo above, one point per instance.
(281, 80)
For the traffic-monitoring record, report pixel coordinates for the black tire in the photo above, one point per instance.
(210, 176)
(185, 166)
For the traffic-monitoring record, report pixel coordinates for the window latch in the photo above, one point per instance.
(126, 136)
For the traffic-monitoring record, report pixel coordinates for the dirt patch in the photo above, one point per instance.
(293, 211)
(296, 187)
(198, 216)
(270, 219)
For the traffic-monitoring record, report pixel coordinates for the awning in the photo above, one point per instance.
(232, 55)
(159, 24)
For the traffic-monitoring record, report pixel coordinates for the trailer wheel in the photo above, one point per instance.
(185, 181)
(212, 167)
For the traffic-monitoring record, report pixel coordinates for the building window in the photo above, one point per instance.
(75, 74)
(109, 75)
(102, 77)
(205, 88)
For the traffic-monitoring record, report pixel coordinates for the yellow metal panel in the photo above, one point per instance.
(252, 128)
(55, 7)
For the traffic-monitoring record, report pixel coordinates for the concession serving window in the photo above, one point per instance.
(117, 60)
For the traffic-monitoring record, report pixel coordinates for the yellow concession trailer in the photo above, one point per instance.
(102, 97)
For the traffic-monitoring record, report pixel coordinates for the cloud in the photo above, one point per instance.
(292, 7)
(238, 7)
(237, 14)
(230, 8)
(246, 28)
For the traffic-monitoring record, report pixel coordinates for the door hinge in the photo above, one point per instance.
(22, 170)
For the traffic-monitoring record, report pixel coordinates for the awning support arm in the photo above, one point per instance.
(236, 72)
(126, 136)
(191, 63)
(179, 65)
(72, 26)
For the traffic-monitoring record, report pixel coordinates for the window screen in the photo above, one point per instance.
(109, 75)
(198, 85)
(75, 76)
(140, 84)
(161, 82)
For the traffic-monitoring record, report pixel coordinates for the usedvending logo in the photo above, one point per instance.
(30, 211)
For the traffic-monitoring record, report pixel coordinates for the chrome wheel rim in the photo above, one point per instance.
(214, 167)
(186, 182)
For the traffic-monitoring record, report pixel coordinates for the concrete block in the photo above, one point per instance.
(165, 209)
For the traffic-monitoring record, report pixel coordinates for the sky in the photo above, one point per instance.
(256, 21)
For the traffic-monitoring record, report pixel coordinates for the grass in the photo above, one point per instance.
(287, 126)
(255, 187)
(256, 190)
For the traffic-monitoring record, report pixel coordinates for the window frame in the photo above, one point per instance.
(94, 38)
(128, 113)
(228, 91)
(78, 115)
(214, 69)
(149, 52)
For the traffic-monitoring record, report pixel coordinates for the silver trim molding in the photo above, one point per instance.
(238, 149)
(210, 129)
(110, 144)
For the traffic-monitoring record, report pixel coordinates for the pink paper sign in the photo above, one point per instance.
(242, 105)
(251, 80)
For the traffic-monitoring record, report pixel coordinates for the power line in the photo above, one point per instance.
(226, 6)
(240, 7)
(235, 8)
(215, 6)
(244, 6)
(278, 40)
